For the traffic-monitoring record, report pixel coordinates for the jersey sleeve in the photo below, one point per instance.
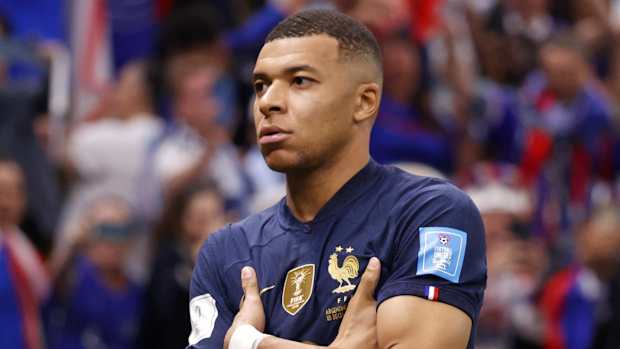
(440, 251)
(210, 314)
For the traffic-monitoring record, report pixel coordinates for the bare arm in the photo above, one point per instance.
(427, 325)
(414, 322)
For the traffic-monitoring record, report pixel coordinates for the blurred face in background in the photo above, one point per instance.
(598, 244)
(401, 69)
(192, 76)
(110, 230)
(564, 69)
(203, 215)
(131, 95)
(12, 195)
(194, 99)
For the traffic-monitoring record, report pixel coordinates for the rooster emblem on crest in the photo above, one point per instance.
(348, 270)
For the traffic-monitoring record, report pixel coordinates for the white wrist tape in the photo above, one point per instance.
(246, 337)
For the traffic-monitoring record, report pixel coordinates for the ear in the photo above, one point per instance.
(368, 97)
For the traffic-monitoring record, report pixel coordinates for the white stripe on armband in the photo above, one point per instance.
(246, 337)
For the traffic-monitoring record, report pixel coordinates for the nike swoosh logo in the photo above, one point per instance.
(269, 288)
(266, 289)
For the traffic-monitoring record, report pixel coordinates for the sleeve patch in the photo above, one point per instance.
(203, 313)
(441, 253)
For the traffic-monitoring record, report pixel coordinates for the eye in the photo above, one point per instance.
(301, 81)
(259, 86)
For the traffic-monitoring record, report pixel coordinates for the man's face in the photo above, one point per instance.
(563, 70)
(305, 98)
(192, 75)
(195, 102)
(402, 69)
(105, 250)
(204, 214)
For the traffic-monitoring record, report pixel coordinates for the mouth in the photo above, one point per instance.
(272, 134)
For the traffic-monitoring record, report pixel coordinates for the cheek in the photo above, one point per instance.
(255, 114)
(322, 117)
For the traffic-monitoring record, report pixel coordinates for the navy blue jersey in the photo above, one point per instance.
(427, 233)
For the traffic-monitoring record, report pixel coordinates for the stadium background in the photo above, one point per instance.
(130, 120)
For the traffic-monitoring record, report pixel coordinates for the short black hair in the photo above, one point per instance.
(354, 39)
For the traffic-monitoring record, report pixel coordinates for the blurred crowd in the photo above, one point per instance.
(515, 101)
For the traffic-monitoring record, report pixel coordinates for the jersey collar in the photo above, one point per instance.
(359, 184)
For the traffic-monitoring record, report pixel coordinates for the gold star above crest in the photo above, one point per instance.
(339, 248)
(350, 249)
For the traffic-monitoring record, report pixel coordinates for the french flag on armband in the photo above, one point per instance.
(431, 293)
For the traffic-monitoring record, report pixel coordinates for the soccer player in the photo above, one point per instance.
(358, 255)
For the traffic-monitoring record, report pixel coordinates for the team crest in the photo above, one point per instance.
(298, 288)
(343, 273)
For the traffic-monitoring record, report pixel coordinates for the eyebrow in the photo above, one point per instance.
(288, 71)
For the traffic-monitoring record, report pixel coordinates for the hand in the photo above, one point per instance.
(251, 311)
(358, 328)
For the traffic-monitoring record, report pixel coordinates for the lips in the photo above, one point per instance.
(272, 134)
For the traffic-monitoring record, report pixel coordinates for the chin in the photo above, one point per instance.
(282, 161)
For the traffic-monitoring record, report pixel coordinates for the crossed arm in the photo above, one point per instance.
(399, 322)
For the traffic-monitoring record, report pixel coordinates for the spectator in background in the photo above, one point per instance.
(186, 223)
(24, 73)
(201, 111)
(107, 155)
(567, 135)
(405, 130)
(95, 304)
(580, 303)
(24, 281)
(509, 36)
(517, 261)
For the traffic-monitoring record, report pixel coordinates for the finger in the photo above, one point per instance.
(249, 283)
(251, 310)
(370, 278)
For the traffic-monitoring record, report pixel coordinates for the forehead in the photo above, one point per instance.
(110, 210)
(317, 51)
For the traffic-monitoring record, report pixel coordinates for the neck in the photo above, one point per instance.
(308, 191)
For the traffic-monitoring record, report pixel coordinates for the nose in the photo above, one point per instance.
(273, 100)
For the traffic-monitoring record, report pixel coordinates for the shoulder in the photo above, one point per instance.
(417, 201)
(410, 189)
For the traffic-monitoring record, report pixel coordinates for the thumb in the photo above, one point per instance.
(249, 283)
(370, 278)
